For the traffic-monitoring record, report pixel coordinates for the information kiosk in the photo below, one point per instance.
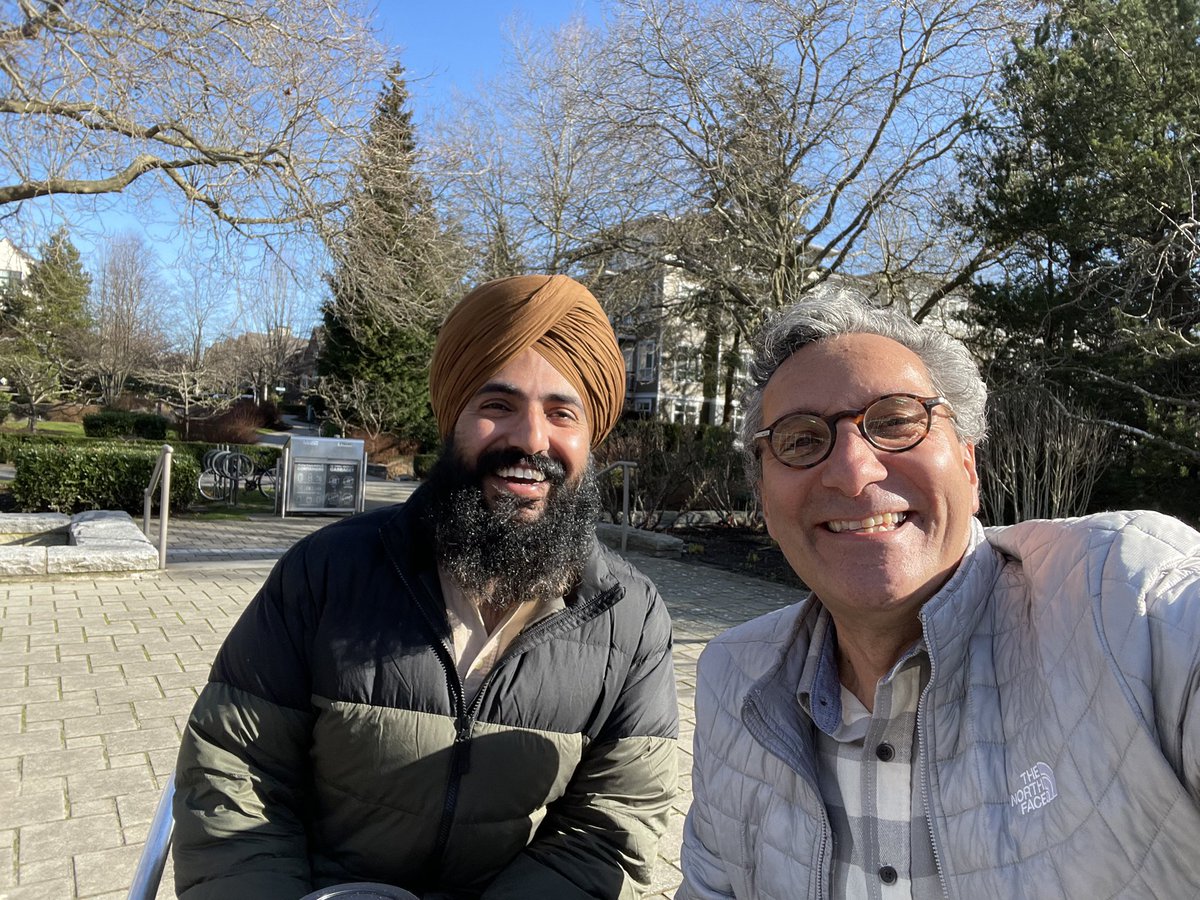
(322, 475)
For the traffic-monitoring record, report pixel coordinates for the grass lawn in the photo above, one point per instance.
(249, 502)
(72, 429)
(69, 429)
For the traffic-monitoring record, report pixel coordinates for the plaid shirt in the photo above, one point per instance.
(867, 761)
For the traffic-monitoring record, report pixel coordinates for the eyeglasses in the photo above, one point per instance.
(894, 422)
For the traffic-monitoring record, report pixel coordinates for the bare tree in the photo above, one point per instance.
(541, 178)
(39, 377)
(1040, 461)
(801, 138)
(196, 317)
(270, 313)
(126, 303)
(356, 404)
(244, 111)
(759, 148)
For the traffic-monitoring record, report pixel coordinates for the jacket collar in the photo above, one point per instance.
(771, 710)
(953, 614)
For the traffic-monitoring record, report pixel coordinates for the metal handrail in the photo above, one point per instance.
(162, 469)
(625, 465)
(158, 844)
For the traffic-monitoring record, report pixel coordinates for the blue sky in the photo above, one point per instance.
(443, 45)
(458, 43)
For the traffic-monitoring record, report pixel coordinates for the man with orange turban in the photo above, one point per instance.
(466, 696)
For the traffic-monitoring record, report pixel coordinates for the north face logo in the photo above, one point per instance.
(1037, 789)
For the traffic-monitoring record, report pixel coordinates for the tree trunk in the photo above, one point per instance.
(711, 364)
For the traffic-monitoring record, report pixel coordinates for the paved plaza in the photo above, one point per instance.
(97, 677)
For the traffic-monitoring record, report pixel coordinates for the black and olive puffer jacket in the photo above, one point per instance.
(333, 744)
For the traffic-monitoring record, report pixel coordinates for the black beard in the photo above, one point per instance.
(497, 558)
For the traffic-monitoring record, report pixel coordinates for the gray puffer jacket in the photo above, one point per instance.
(1059, 732)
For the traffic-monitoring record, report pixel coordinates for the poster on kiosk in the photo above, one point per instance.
(323, 475)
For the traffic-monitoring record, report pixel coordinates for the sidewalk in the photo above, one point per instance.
(97, 678)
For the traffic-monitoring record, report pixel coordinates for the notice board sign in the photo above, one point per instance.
(323, 475)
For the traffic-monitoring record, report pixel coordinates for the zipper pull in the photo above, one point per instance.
(460, 763)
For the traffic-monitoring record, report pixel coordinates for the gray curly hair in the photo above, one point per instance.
(952, 371)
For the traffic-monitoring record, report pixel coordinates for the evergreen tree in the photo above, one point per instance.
(43, 322)
(1086, 175)
(56, 290)
(398, 269)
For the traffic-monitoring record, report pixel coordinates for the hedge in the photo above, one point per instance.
(12, 441)
(116, 423)
(71, 478)
(263, 455)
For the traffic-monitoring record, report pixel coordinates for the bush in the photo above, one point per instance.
(237, 425)
(115, 423)
(384, 447)
(423, 463)
(72, 478)
(270, 416)
(680, 468)
(12, 441)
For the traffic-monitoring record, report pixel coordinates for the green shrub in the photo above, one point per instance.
(115, 423)
(11, 441)
(422, 463)
(70, 478)
(679, 468)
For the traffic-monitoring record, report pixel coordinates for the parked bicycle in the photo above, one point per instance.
(223, 470)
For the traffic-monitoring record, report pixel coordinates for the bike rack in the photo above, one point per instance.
(162, 469)
(227, 469)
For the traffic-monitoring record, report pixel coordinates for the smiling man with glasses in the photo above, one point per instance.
(951, 712)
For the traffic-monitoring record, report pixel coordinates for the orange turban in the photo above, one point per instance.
(498, 321)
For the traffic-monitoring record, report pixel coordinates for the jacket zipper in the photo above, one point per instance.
(463, 726)
(927, 767)
(460, 754)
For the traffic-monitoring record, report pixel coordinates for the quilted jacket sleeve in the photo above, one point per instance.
(704, 875)
(600, 838)
(1141, 571)
(1171, 603)
(242, 764)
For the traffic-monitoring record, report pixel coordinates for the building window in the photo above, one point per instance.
(736, 420)
(686, 364)
(643, 406)
(645, 360)
(10, 281)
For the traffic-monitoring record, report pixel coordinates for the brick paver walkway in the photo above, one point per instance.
(97, 677)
